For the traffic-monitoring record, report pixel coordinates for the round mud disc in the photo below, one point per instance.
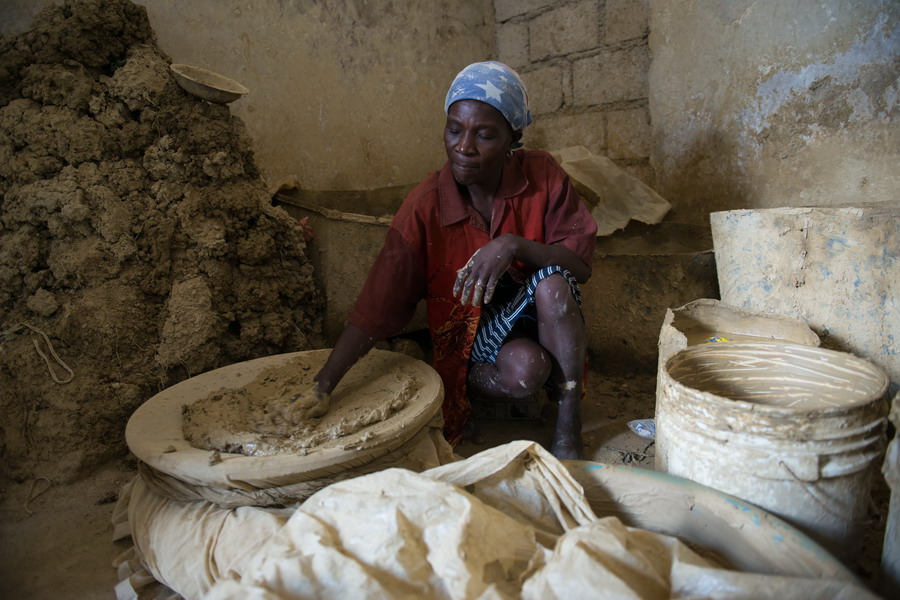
(154, 432)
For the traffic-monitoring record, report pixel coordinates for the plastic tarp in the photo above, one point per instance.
(510, 522)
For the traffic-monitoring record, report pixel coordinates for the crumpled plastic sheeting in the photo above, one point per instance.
(614, 196)
(526, 482)
(507, 523)
(183, 534)
(392, 535)
(187, 546)
(606, 559)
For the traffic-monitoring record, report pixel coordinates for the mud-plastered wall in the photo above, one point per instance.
(771, 104)
(344, 94)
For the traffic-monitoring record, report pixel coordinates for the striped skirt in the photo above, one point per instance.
(499, 317)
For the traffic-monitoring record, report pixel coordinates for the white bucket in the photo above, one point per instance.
(792, 429)
(719, 526)
(704, 320)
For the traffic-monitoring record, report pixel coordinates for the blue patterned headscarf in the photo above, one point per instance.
(496, 84)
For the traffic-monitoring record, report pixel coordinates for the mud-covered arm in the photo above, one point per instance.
(352, 345)
(538, 255)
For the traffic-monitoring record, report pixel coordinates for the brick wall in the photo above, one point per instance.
(586, 65)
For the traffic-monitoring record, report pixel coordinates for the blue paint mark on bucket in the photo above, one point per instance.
(737, 504)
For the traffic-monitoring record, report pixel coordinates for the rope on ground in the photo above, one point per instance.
(32, 495)
(5, 335)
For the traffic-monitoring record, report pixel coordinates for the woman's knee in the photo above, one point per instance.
(523, 367)
(553, 295)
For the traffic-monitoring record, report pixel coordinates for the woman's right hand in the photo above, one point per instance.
(476, 281)
(285, 415)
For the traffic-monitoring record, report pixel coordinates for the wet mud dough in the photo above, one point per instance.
(276, 412)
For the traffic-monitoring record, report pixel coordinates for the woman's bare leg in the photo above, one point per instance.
(524, 365)
(561, 332)
(521, 370)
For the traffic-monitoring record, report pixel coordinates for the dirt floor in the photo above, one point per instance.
(57, 539)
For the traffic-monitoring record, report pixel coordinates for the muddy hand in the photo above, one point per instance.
(468, 286)
(308, 404)
(476, 281)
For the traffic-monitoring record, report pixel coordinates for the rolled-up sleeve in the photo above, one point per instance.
(393, 288)
(569, 223)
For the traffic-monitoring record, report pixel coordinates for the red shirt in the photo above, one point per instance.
(434, 234)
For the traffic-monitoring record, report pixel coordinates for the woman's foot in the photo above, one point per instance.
(472, 434)
(567, 446)
(567, 443)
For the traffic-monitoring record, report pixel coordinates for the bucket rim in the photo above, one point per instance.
(706, 308)
(702, 504)
(883, 382)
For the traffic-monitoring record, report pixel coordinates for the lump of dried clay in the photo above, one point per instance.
(135, 231)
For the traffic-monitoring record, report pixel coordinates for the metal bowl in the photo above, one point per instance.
(207, 85)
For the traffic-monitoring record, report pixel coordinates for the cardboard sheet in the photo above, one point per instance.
(614, 196)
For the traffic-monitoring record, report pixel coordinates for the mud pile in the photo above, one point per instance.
(135, 232)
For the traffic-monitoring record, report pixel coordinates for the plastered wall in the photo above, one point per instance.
(770, 104)
(344, 94)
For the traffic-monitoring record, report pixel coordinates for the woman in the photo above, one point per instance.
(494, 242)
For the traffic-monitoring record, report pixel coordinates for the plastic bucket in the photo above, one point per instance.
(792, 429)
(706, 319)
(719, 526)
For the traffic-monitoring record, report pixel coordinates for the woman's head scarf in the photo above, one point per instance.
(496, 84)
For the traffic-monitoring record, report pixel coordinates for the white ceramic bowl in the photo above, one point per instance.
(207, 85)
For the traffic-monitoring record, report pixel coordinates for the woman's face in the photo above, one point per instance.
(477, 138)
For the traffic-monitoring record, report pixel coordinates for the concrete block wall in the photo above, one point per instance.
(586, 65)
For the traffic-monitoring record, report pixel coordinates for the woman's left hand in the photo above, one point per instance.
(478, 278)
